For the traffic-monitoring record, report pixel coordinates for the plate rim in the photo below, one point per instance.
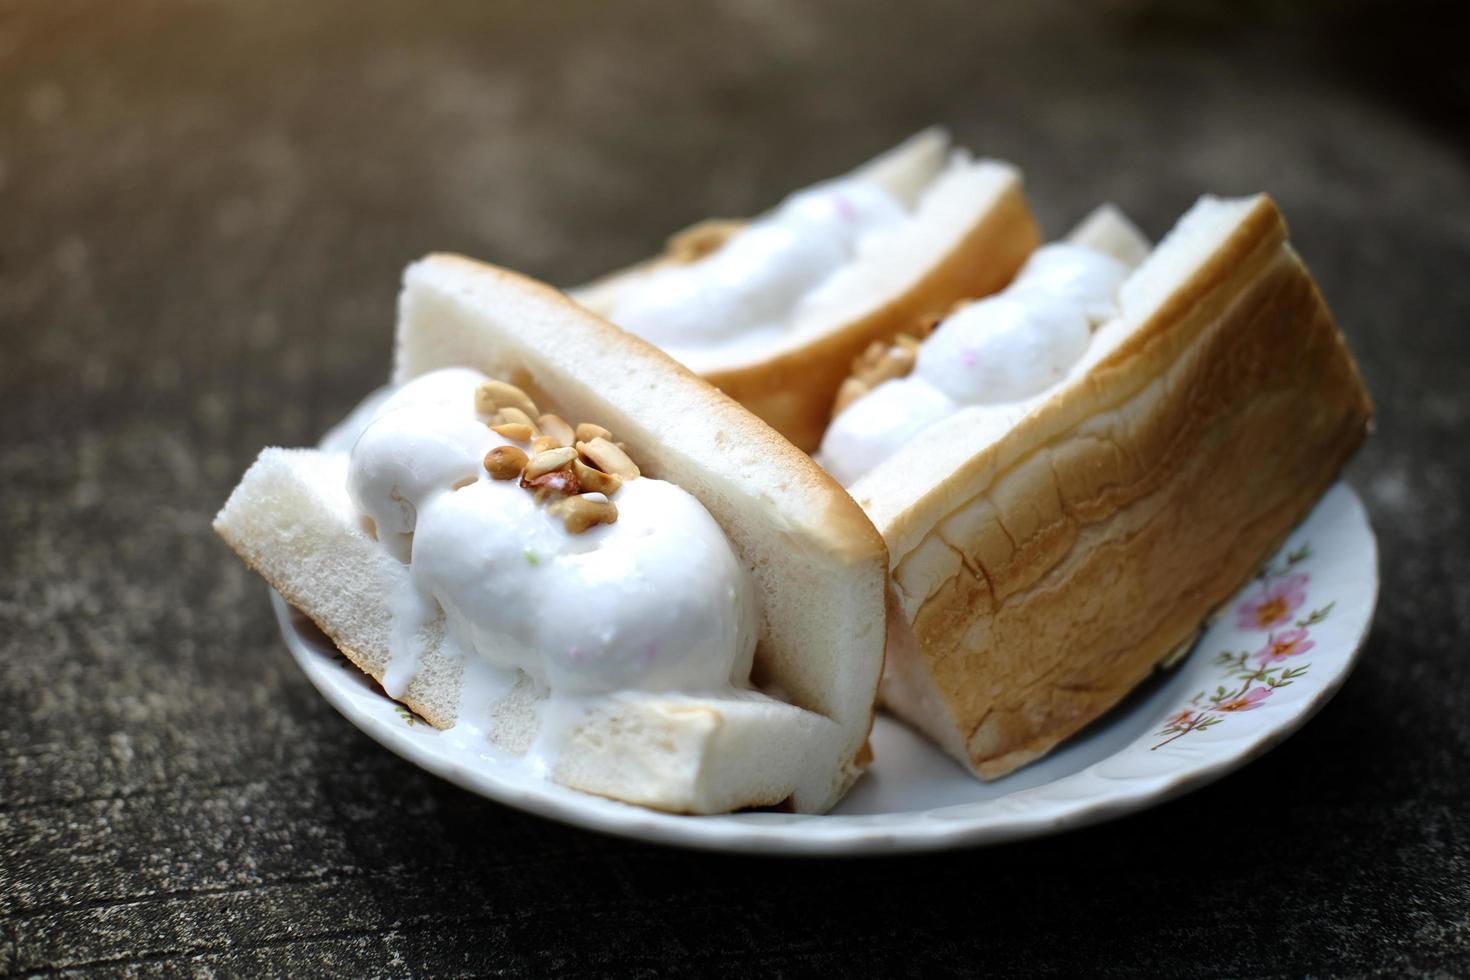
(839, 834)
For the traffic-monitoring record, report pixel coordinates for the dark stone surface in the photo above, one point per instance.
(204, 207)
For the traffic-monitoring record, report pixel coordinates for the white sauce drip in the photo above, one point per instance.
(999, 353)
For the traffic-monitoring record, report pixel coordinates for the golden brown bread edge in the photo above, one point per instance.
(1244, 404)
(793, 391)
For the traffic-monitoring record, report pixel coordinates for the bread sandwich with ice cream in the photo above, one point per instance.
(773, 310)
(1072, 474)
(549, 535)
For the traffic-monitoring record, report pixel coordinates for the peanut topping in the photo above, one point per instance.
(584, 511)
(492, 395)
(514, 431)
(555, 471)
(851, 390)
(880, 362)
(557, 483)
(557, 428)
(505, 462)
(699, 240)
(608, 458)
(512, 414)
(551, 459)
(595, 480)
(586, 432)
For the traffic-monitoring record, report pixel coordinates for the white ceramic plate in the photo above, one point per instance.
(1279, 650)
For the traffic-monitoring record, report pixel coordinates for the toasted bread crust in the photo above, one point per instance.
(844, 527)
(1096, 537)
(793, 390)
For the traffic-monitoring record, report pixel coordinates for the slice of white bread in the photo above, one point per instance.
(818, 564)
(971, 231)
(1047, 568)
(292, 520)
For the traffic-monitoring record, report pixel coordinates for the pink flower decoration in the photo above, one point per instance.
(1275, 605)
(968, 358)
(1183, 719)
(1287, 643)
(844, 207)
(1246, 702)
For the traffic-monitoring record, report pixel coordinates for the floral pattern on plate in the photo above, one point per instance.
(1248, 679)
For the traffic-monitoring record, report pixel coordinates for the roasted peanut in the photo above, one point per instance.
(587, 431)
(594, 479)
(505, 462)
(492, 395)
(586, 510)
(557, 428)
(608, 458)
(552, 459)
(514, 431)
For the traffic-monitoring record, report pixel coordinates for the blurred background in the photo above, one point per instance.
(205, 206)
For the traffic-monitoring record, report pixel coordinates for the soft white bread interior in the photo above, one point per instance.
(907, 170)
(1108, 230)
(688, 754)
(1047, 565)
(970, 232)
(818, 564)
(291, 519)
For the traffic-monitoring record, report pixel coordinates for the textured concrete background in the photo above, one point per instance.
(204, 207)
